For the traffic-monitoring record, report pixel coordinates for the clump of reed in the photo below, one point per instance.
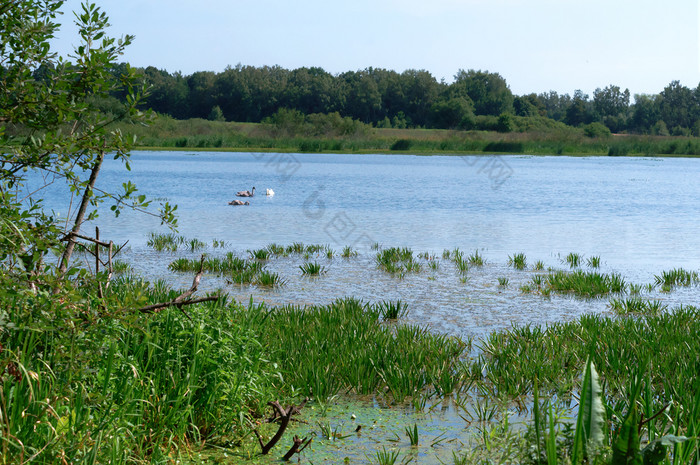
(574, 259)
(260, 254)
(164, 242)
(581, 283)
(517, 261)
(269, 279)
(676, 277)
(344, 347)
(503, 281)
(348, 252)
(476, 259)
(637, 305)
(312, 268)
(593, 262)
(397, 260)
(644, 360)
(392, 310)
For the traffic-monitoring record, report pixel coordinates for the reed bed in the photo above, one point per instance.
(676, 277)
(397, 260)
(343, 346)
(312, 268)
(580, 283)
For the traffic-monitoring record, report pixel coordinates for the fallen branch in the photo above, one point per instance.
(180, 301)
(284, 415)
(298, 446)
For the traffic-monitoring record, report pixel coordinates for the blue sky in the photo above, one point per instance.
(536, 45)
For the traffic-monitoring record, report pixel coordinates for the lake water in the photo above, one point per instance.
(640, 215)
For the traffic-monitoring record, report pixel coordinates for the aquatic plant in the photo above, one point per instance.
(637, 305)
(195, 244)
(434, 265)
(517, 261)
(539, 265)
(392, 310)
(168, 242)
(276, 249)
(386, 457)
(412, 434)
(312, 268)
(582, 283)
(476, 259)
(120, 266)
(217, 244)
(676, 277)
(503, 281)
(593, 262)
(573, 259)
(348, 252)
(397, 260)
(269, 279)
(260, 254)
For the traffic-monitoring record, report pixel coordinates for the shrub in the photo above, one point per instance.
(596, 130)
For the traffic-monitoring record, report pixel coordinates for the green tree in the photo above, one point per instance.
(488, 91)
(579, 111)
(452, 113)
(53, 125)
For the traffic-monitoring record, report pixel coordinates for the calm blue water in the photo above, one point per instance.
(631, 211)
(640, 215)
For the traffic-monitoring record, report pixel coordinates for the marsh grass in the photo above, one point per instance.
(269, 279)
(397, 260)
(392, 310)
(475, 259)
(574, 260)
(260, 254)
(517, 261)
(348, 252)
(503, 281)
(676, 277)
(120, 267)
(165, 242)
(584, 283)
(593, 262)
(637, 305)
(539, 265)
(312, 268)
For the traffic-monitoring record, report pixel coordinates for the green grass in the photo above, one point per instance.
(583, 283)
(475, 259)
(574, 260)
(164, 242)
(269, 279)
(312, 268)
(637, 305)
(397, 260)
(392, 310)
(676, 277)
(517, 261)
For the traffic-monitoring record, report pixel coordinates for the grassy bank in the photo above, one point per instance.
(531, 137)
(88, 378)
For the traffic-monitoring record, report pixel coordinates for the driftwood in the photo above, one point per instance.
(284, 416)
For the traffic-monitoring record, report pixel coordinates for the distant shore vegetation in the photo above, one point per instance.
(377, 110)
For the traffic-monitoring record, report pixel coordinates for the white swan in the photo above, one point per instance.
(269, 192)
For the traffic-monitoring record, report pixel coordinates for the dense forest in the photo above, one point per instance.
(413, 98)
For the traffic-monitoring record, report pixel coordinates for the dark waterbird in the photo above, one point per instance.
(249, 193)
(238, 202)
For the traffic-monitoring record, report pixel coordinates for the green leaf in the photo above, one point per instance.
(591, 416)
(626, 447)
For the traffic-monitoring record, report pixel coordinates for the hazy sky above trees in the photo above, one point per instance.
(536, 45)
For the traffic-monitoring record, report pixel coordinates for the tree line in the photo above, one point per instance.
(413, 98)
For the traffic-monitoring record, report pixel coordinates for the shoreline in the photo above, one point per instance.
(427, 153)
